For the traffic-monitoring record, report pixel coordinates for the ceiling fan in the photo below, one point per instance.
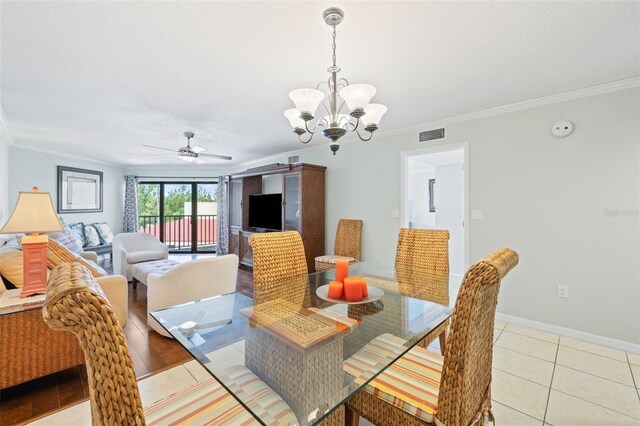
(191, 153)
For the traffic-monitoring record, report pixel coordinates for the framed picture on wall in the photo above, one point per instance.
(79, 190)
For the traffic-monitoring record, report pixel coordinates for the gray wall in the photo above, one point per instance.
(547, 198)
(28, 168)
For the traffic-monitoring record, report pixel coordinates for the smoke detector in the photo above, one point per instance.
(562, 129)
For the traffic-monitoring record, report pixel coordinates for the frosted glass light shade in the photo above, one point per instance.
(357, 95)
(373, 113)
(187, 157)
(293, 115)
(34, 212)
(306, 100)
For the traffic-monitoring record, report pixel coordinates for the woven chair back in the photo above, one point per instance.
(279, 268)
(348, 236)
(76, 303)
(422, 264)
(466, 376)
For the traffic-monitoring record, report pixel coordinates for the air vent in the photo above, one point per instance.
(431, 135)
(294, 159)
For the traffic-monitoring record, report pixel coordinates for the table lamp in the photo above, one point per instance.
(33, 213)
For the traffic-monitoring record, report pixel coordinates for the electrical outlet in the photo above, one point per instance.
(563, 291)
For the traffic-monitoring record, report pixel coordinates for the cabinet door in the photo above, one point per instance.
(292, 202)
(235, 214)
(245, 251)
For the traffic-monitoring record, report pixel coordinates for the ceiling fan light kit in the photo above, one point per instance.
(356, 96)
(191, 153)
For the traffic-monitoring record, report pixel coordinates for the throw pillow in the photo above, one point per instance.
(11, 266)
(67, 238)
(104, 232)
(91, 236)
(58, 254)
(78, 231)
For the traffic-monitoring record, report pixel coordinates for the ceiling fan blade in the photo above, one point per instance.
(157, 147)
(221, 157)
(197, 149)
(200, 160)
(164, 155)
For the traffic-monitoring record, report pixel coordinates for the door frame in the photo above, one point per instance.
(194, 210)
(404, 170)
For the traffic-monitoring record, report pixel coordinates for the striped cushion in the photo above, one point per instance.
(331, 258)
(412, 383)
(208, 403)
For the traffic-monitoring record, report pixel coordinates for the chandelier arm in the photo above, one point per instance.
(325, 107)
(307, 141)
(320, 84)
(343, 81)
(363, 139)
(354, 127)
(321, 122)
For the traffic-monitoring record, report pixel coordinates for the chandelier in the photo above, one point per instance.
(335, 124)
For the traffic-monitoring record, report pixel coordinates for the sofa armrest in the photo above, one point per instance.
(115, 289)
(90, 255)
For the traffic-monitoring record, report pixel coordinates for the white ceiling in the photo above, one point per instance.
(100, 79)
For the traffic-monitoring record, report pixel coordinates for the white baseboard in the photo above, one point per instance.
(568, 332)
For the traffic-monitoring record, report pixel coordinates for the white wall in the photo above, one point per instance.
(449, 205)
(5, 208)
(547, 198)
(28, 168)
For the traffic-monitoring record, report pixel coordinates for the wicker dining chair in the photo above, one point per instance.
(75, 303)
(279, 257)
(422, 271)
(346, 246)
(423, 387)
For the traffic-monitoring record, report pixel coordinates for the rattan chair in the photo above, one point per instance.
(346, 246)
(454, 390)
(75, 303)
(278, 257)
(422, 270)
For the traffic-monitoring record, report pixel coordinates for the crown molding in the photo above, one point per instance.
(26, 147)
(519, 106)
(586, 92)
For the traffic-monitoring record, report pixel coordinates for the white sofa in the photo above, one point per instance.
(188, 282)
(136, 247)
(116, 291)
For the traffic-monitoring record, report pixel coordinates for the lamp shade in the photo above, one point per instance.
(293, 115)
(373, 113)
(306, 100)
(357, 95)
(33, 213)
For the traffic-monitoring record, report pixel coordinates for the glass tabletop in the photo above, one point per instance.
(297, 342)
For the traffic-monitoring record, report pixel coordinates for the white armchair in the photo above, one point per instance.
(188, 282)
(136, 247)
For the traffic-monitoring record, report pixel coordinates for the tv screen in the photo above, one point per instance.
(265, 211)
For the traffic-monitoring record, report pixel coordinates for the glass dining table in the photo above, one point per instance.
(296, 340)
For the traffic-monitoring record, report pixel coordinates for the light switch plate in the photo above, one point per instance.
(395, 213)
(477, 214)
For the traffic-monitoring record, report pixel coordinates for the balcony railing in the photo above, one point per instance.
(176, 232)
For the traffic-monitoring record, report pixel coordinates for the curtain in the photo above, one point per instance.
(130, 218)
(223, 215)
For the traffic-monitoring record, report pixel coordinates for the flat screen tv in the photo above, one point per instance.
(265, 211)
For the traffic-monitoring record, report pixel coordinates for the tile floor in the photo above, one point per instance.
(538, 379)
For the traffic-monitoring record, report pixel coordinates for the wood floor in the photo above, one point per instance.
(150, 352)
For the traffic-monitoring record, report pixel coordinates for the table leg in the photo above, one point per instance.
(351, 418)
(443, 341)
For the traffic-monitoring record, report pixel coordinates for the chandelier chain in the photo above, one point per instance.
(333, 37)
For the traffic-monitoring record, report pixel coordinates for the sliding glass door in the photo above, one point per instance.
(183, 215)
